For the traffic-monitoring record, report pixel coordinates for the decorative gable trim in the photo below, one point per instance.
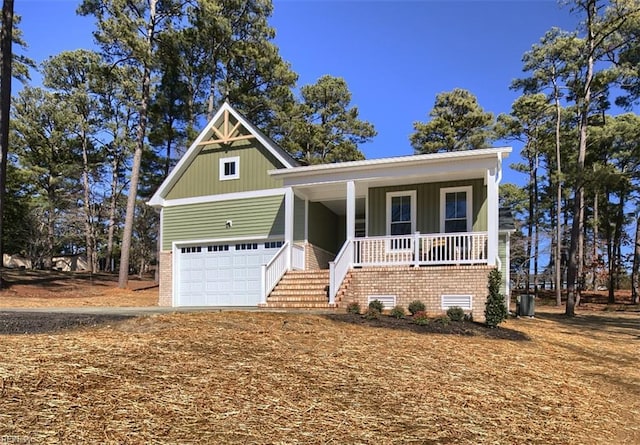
(204, 138)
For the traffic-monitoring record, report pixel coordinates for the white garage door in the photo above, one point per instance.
(223, 274)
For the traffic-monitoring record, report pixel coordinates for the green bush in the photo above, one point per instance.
(376, 305)
(444, 320)
(372, 314)
(420, 318)
(353, 307)
(495, 311)
(455, 313)
(416, 306)
(397, 312)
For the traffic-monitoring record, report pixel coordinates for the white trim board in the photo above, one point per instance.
(226, 197)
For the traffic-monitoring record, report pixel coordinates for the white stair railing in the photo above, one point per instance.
(338, 269)
(273, 271)
(297, 259)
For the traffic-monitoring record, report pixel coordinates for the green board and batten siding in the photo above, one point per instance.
(323, 228)
(202, 177)
(428, 205)
(257, 217)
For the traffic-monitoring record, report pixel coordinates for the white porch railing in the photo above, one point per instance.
(338, 269)
(416, 250)
(421, 250)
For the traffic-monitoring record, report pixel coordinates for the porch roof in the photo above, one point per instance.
(325, 181)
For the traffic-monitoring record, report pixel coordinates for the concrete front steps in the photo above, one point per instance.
(301, 289)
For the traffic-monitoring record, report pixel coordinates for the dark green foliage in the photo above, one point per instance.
(376, 305)
(455, 313)
(416, 306)
(397, 312)
(421, 318)
(324, 127)
(444, 321)
(495, 310)
(372, 314)
(353, 307)
(457, 122)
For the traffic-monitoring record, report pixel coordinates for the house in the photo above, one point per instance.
(242, 224)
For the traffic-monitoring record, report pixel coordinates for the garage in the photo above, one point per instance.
(222, 274)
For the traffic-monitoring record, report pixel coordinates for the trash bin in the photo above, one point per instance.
(525, 305)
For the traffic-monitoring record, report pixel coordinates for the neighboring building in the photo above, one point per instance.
(238, 213)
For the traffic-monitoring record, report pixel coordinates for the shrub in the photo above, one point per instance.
(455, 313)
(420, 318)
(353, 307)
(397, 312)
(444, 320)
(468, 317)
(372, 314)
(495, 310)
(376, 305)
(416, 306)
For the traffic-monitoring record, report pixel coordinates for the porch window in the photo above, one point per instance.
(401, 217)
(455, 209)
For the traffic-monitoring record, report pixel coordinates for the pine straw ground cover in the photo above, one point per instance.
(253, 377)
(48, 288)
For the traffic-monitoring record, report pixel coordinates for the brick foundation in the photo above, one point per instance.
(166, 279)
(426, 284)
(316, 258)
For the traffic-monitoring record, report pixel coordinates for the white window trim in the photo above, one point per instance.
(412, 194)
(443, 194)
(235, 160)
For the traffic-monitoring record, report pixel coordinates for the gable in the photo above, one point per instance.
(202, 176)
(228, 138)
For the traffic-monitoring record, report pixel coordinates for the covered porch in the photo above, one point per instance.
(425, 210)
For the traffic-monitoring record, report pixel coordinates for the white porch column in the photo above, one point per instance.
(288, 223)
(492, 216)
(351, 210)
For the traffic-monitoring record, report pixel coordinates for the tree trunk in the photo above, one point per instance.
(123, 277)
(536, 225)
(635, 271)
(6, 54)
(615, 248)
(50, 238)
(580, 254)
(596, 240)
(576, 229)
(88, 226)
(558, 251)
(531, 220)
(113, 203)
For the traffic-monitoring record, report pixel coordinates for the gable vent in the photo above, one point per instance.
(463, 301)
(388, 301)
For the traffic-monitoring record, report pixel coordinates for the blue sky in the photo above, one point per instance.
(396, 56)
